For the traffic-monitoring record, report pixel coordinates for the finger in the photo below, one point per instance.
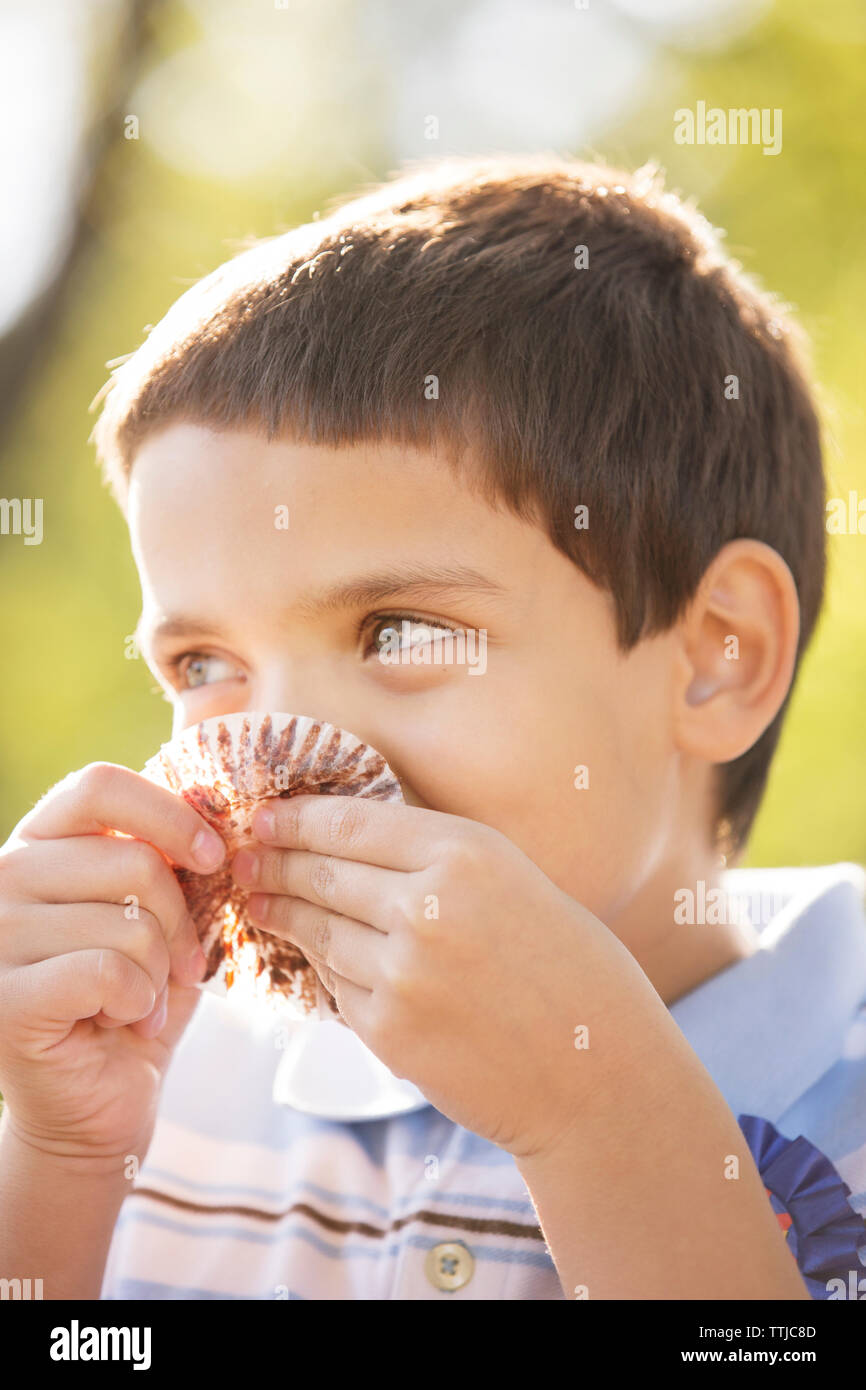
(375, 832)
(354, 890)
(354, 1004)
(181, 1002)
(105, 797)
(152, 1024)
(54, 929)
(88, 868)
(55, 993)
(329, 941)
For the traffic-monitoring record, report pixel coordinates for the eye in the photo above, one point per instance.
(191, 669)
(399, 632)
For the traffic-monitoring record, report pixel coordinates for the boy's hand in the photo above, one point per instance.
(453, 957)
(94, 935)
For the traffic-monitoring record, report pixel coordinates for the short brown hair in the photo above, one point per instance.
(643, 376)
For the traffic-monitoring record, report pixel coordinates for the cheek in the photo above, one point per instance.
(581, 815)
(573, 780)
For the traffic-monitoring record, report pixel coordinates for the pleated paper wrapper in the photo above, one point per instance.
(225, 767)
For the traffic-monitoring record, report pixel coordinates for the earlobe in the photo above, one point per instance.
(738, 648)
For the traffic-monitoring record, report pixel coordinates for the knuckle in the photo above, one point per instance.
(402, 914)
(322, 877)
(462, 857)
(344, 822)
(95, 778)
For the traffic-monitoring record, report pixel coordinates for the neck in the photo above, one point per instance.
(677, 956)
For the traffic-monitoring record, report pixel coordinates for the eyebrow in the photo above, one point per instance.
(411, 582)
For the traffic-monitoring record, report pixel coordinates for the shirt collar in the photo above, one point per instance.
(766, 1028)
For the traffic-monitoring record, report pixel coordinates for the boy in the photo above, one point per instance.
(524, 399)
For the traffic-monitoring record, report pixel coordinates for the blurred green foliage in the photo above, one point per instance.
(69, 695)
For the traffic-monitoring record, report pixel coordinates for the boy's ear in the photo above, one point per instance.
(737, 651)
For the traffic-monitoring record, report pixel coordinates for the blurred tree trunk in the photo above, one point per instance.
(23, 347)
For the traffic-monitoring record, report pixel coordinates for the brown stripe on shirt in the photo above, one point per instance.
(478, 1225)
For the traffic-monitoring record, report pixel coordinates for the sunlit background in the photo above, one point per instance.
(141, 142)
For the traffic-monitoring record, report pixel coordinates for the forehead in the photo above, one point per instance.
(189, 466)
(210, 507)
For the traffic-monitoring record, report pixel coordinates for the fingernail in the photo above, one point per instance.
(208, 849)
(245, 867)
(264, 824)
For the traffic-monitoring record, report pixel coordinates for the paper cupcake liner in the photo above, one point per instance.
(225, 767)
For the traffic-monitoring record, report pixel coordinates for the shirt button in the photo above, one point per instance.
(449, 1266)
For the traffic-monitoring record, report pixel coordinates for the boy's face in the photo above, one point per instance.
(291, 619)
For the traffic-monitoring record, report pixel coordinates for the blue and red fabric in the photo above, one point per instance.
(811, 1202)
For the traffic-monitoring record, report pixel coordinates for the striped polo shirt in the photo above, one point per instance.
(340, 1196)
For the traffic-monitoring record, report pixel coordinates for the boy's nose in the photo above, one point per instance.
(322, 694)
(316, 695)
